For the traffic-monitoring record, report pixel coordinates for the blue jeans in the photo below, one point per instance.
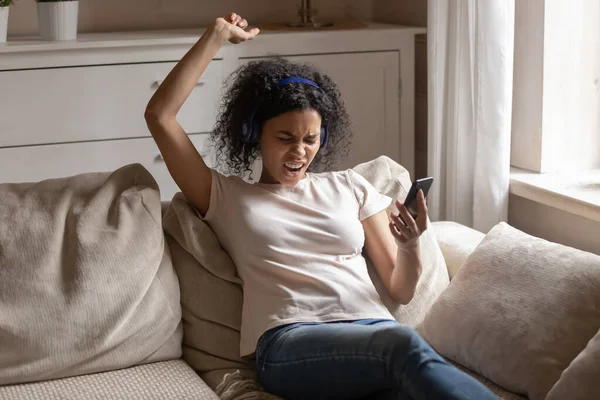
(364, 359)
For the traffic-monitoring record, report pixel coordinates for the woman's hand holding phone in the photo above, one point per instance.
(404, 227)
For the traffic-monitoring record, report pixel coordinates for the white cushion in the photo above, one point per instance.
(211, 293)
(86, 280)
(457, 242)
(519, 311)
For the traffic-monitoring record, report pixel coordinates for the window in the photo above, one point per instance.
(556, 97)
(555, 150)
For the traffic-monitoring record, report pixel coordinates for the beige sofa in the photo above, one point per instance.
(105, 293)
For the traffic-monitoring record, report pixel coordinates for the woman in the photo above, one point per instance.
(311, 315)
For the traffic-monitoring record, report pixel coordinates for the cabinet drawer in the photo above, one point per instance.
(95, 102)
(35, 163)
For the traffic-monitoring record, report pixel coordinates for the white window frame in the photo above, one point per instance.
(556, 98)
(555, 146)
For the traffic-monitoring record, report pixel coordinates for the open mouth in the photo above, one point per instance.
(293, 168)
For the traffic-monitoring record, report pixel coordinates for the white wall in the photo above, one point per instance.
(119, 15)
(554, 225)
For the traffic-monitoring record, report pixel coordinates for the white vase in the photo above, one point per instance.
(58, 20)
(3, 23)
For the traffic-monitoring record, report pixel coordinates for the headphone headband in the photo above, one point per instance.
(293, 79)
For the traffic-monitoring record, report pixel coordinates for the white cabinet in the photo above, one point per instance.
(73, 107)
(369, 85)
(35, 163)
(95, 102)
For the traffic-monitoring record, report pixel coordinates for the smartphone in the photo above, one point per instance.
(411, 201)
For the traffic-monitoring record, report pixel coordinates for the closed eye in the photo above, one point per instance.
(312, 139)
(288, 137)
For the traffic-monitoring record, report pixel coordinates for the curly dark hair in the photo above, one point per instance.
(253, 88)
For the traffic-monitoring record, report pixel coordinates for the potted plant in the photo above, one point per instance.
(58, 19)
(4, 7)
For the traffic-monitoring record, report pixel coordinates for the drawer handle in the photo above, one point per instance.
(157, 84)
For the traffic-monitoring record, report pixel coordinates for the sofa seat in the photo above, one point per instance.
(161, 380)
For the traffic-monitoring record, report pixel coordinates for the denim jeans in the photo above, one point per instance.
(364, 359)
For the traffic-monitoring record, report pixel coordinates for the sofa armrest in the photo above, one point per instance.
(457, 242)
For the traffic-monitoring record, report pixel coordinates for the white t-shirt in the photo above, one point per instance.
(298, 250)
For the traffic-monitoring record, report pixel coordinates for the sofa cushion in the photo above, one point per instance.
(211, 292)
(86, 280)
(393, 180)
(159, 381)
(457, 243)
(581, 380)
(519, 311)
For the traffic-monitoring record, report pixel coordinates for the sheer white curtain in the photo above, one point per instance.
(470, 55)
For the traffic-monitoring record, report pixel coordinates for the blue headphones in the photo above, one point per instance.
(251, 128)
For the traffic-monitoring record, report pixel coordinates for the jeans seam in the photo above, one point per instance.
(347, 355)
(266, 339)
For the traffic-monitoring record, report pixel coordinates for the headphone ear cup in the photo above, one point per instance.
(255, 132)
(323, 136)
(250, 130)
(245, 132)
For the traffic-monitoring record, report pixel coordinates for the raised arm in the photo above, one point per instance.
(183, 161)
